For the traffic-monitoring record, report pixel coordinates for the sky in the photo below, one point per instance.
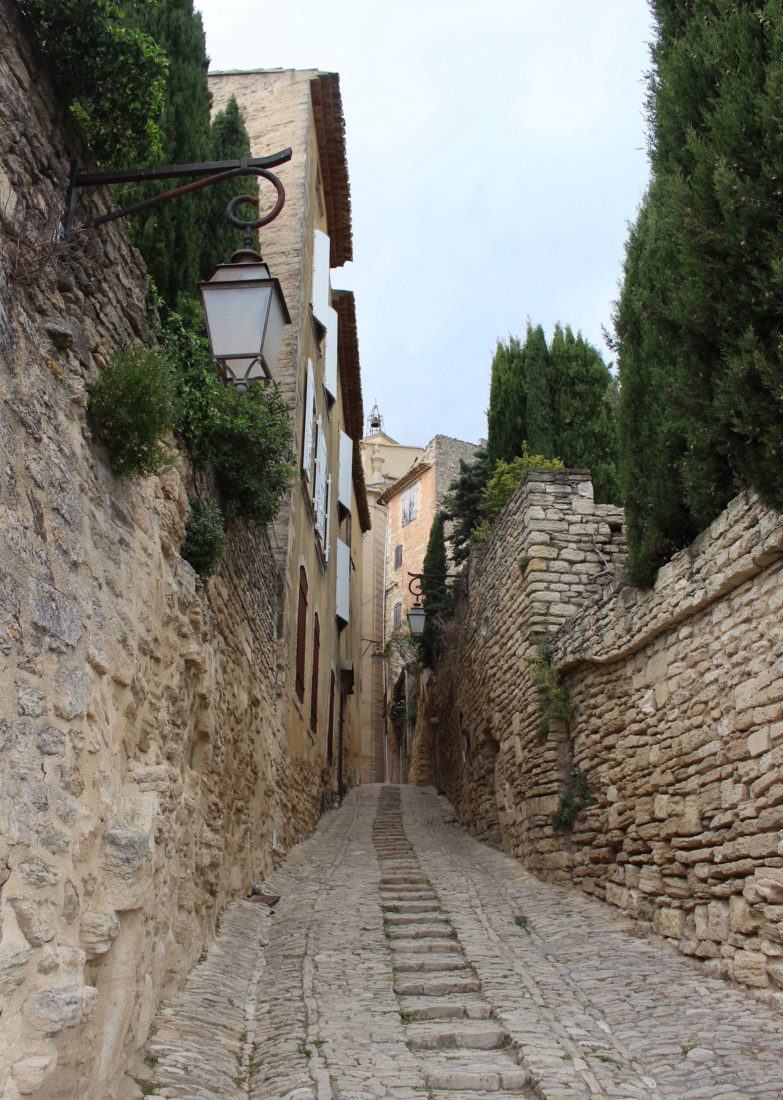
(496, 155)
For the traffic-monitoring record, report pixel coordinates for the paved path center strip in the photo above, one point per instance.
(405, 960)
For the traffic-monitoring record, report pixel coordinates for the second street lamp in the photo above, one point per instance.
(417, 615)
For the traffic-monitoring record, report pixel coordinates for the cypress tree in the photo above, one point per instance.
(229, 140)
(438, 597)
(506, 416)
(464, 503)
(704, 274)
(170, 236)
(582, 411)
(538, 406)
(650, 442)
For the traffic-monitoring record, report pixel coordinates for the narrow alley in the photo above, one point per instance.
(406, 960)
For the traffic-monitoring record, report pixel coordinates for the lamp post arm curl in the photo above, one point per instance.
(417, 578)
(212, 172)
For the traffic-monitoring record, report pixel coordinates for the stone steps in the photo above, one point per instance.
(407, 907)
(463, 1051)
(429, 962)
(458, 1006)
(465, 1071)
(460, 1035)
(436, 985)
(442, 945)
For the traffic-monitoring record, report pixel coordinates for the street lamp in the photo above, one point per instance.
(244, 306)
(246, 315)
(417, 615)
(417, 618)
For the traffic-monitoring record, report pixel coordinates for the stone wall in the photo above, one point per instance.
(677, 726)
(143, 777)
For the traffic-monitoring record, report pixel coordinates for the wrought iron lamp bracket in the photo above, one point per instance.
(211, 173)
(417, 578)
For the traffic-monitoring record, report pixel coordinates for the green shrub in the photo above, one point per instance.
(504, 480)
(507, 476)
(247, 438)
(133, 405)
(576, 798)
(205, 537)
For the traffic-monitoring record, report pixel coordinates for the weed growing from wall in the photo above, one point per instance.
(554, 696)
(576, 798)
(205, 537)
(133, 405)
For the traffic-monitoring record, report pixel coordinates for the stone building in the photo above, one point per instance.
(319, 534)
(405, 486)
(384, 460)
(413, 501)
(161, 740)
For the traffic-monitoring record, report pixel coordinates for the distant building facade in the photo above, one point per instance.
(405, 488)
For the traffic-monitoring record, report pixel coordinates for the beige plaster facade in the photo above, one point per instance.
(320, 538)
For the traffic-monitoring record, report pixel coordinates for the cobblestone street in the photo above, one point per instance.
(406, 960)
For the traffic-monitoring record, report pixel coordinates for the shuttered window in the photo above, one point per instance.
(345, 483)
(314, 684)
(330, 352)
(343, 593)
(301, 634)
(308, 452)
(409, 505)
(320, 299)
(319, 497)
(328, 519)
(330, 731)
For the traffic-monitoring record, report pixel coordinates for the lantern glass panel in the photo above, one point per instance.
(275, 327)
(417, 617)
(236, 317)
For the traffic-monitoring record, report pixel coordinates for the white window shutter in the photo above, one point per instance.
(307, 433)
(346, 471)
(330, 351)
(320, 477)
(320, 299)
(343, 605)
(328, 520)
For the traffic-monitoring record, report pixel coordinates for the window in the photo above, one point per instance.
(321, 470)
(330, 730)
(321, 259)
(345, 481)
(314, 684)
(397, 615)
(398, 557)
(409, 505)
(343, 583)
(301, 634)
(308, 452)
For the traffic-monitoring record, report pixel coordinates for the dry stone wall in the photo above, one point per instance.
(143, 775)
(677, 727)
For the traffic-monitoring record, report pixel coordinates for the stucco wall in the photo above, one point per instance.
(677, 726)
(143, 777)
